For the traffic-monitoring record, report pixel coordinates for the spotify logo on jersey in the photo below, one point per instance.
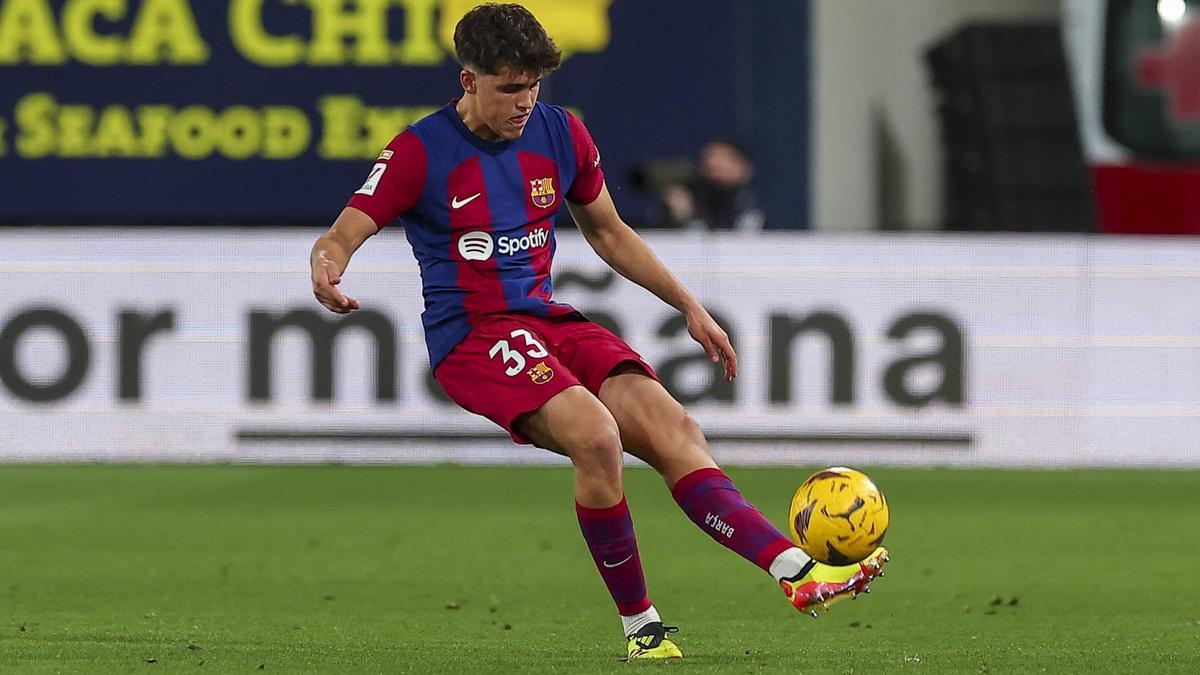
(475, 246)
(478, 245)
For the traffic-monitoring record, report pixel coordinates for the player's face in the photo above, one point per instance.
(502, 102)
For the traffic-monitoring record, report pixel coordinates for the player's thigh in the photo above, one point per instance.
(503, 371)
(576, 424)
(654, 426)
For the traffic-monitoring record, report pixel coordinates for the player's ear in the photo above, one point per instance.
(467, 79)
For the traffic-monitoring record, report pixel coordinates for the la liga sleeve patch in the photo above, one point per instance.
(373, 179)
(394, 183)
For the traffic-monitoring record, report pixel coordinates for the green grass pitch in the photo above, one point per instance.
(443, 569)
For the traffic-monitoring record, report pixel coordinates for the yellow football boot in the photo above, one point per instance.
(819, 585)
(651, 642)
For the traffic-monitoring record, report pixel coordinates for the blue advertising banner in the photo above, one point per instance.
(251, 111)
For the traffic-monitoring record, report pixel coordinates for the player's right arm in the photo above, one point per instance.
(393, 187)
(331, 254)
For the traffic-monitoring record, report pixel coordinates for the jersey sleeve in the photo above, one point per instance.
(589, 177)
(395, 182)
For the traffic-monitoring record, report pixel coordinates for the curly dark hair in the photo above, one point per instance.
(495, 37)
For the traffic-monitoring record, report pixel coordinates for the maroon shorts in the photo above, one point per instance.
(512, 364)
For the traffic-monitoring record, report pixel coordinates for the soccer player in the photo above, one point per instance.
(476, 186)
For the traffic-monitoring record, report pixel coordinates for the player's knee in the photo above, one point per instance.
(598, 446)
(686, 454)
(692, 434)
(692, 448)
(604, 443)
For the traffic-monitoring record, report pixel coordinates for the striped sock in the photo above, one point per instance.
(609, 536)
(710, 499)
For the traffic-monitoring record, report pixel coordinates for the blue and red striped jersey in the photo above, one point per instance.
(480, 215)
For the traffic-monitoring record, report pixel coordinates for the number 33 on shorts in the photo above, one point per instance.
(507, 354)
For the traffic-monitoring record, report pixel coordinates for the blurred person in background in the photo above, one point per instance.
(476, 186)
(719, 197)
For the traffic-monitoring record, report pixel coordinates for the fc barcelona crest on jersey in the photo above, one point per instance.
(541, 373)
(542, 191)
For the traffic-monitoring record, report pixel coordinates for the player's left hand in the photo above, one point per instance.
(705, 330)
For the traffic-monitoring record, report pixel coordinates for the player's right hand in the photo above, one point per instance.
(325, 278)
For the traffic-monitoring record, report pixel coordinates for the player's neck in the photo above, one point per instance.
(473, 121)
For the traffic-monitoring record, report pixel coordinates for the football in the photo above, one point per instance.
(838, 516)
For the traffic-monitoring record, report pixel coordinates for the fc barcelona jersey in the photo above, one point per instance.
(480, 215)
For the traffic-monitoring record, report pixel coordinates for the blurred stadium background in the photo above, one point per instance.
(973, 247)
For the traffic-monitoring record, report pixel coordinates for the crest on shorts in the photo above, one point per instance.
(541, 190)
(541, 373)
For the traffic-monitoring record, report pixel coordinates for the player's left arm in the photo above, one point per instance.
(627, 253)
